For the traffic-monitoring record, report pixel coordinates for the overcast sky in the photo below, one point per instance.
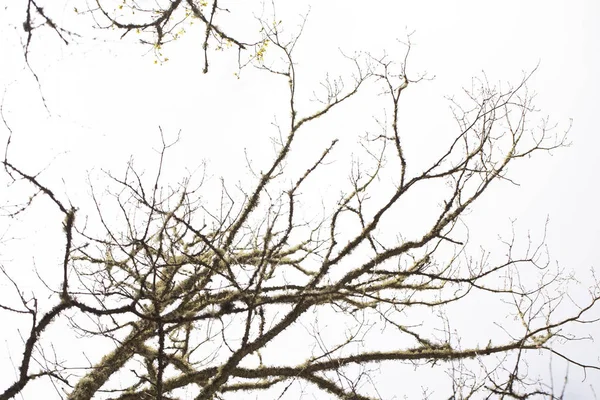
(106, 102)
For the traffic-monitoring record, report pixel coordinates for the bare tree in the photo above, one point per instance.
(193, 297)
(153, 24)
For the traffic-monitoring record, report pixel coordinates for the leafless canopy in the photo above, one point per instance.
(193, 297)
(155, 24)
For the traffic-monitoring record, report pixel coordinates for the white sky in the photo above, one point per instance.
(107, 101)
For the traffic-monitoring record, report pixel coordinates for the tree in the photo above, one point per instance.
(193, 297)
(155, 26)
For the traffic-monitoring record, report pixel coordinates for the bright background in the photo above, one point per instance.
(107, 100)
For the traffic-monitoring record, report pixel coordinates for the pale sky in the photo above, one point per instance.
(107, 100)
